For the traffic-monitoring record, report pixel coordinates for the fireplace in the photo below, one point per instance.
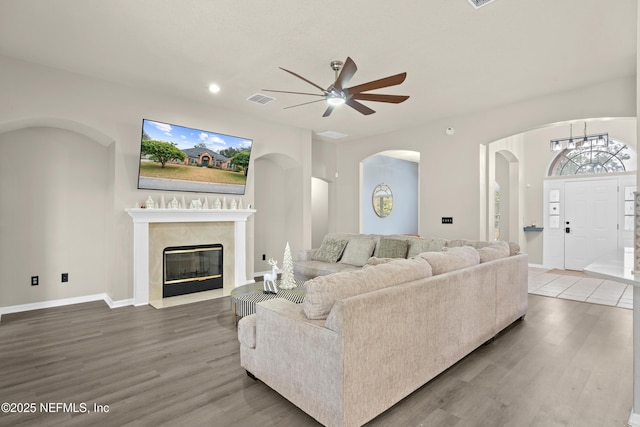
(189, 269)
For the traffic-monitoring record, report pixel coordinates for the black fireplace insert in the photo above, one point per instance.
(189, 269)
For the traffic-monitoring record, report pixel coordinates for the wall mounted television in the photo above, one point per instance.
(178, 158)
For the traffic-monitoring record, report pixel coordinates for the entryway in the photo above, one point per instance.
(584, 219)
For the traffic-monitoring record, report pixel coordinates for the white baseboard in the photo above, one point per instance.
(117, 304)
(537, 266)
(65, 301)
(634, 419)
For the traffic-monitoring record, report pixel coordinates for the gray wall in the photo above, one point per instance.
(53, 212)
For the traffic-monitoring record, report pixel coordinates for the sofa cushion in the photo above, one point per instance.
(392, 248)
(452, 259)
(375, 261)
(320, 268)
(427, 244)
(330, 250)
(358, 251)
(324, 291)
(247, 331)
(514, 248)
(496, 250)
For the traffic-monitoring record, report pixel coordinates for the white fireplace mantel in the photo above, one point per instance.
(143, 217)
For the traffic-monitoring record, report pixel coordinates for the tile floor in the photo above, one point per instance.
(579, 287)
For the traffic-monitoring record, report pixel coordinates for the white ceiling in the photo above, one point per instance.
(458, 59)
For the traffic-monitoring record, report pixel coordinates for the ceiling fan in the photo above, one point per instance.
(338, 94)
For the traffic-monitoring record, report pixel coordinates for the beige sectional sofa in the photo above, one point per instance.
(349, 252)
(364, 339)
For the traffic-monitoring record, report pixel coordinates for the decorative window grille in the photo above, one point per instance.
(593, 159)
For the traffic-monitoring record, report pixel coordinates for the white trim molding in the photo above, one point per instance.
(62, 302)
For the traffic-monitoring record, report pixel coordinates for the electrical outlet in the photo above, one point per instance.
(65, 277)
(447, 220)
(264, 257)
(34, 280)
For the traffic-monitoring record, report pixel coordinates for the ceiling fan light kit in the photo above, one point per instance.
(338, 94)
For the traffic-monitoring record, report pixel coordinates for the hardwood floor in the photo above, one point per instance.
(567, 364)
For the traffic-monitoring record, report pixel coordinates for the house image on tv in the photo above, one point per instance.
(204, 157)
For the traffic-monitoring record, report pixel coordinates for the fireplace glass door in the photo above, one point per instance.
(189, 269)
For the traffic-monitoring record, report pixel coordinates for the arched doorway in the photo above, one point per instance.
(397, 170)
(589, 203)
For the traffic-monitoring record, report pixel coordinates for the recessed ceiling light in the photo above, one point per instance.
(214, 88)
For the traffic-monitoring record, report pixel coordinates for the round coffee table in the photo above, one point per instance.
(244, 298)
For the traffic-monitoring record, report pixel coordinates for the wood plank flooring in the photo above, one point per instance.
(567, 364)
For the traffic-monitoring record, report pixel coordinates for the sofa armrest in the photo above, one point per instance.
(306, 254)
(299, 358)
(247, 331)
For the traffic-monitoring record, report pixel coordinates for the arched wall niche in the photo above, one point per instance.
(400, 170)
(56, 185)
(60, 123)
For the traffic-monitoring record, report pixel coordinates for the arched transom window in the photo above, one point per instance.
(594, 159)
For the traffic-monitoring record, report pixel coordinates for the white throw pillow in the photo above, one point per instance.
(358, 252)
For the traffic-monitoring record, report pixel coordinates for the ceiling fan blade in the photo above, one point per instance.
(295, 93)
(394, 99)
(302, 78)
(378, 84)
(304, 103)
(328, 111)
(360, 107)
(348, 70)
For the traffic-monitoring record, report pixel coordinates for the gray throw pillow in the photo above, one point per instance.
(330, 250)
(358, 252)
(392, 248)
(426, 244)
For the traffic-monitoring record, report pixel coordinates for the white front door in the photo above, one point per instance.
(591, 221)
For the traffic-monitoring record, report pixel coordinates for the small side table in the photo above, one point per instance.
(244, 298)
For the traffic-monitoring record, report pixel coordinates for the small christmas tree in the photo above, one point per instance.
(286, 277)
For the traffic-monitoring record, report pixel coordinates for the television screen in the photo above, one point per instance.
(177, 158)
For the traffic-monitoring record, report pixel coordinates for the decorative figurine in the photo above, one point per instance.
(270, 278)
(287, 280)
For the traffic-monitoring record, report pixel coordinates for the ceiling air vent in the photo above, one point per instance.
(479, 3)
(260, 99)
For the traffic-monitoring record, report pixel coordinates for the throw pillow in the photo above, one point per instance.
(330, 250)
(392, 248)
(358, 252)
(427, 244)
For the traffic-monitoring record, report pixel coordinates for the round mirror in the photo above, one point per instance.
(382, 200)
